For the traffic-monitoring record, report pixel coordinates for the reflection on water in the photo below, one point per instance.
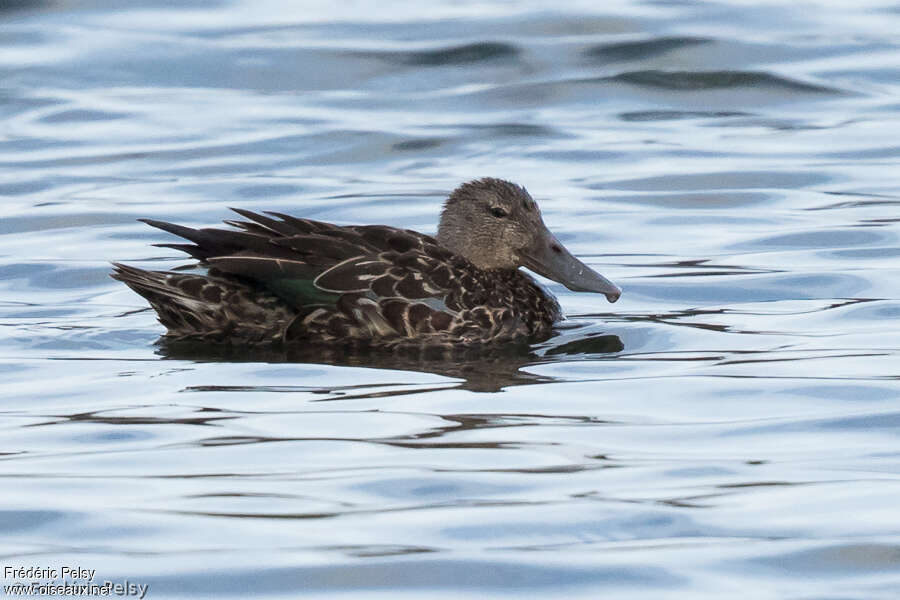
(481, 369)
(729, 424)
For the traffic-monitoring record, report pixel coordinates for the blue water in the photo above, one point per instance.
(729, 427)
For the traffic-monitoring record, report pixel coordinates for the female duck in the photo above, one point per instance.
(278, 278)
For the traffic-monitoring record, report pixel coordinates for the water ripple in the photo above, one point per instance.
(730, 165)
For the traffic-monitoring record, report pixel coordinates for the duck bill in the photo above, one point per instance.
(551, 259)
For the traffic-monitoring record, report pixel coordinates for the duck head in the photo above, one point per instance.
(496, 224)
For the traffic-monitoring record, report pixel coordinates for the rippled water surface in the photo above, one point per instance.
(729, 427)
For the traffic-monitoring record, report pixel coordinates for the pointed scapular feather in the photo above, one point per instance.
(190, 249)
(290, 280)
(276, 226)
(302, 225)
(249, 227)
(211, 242)
(352, 236)
(388, 238)
(264, 268)
(348, 233)
(352, 275)
(179, 230)
(319, 247)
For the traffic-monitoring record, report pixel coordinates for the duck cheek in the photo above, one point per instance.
(515, 240)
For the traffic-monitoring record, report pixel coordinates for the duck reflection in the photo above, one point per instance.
(479, 369)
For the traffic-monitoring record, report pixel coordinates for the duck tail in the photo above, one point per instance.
(185, 304)
(158, 285)
(208, 308)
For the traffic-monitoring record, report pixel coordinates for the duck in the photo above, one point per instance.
(272, 278)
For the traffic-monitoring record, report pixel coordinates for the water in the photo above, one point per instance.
(729, 427)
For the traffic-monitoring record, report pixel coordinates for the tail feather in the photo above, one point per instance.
(180, 311)
(203, 307)
(208, 241)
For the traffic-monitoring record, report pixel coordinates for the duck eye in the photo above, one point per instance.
(498, 212)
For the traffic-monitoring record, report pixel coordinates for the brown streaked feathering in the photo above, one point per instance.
(275, 278)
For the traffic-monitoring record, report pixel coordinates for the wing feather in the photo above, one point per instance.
(363, 282)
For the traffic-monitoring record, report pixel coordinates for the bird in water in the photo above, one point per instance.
(275, 278)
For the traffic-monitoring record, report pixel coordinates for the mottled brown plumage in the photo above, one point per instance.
(277, 278)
